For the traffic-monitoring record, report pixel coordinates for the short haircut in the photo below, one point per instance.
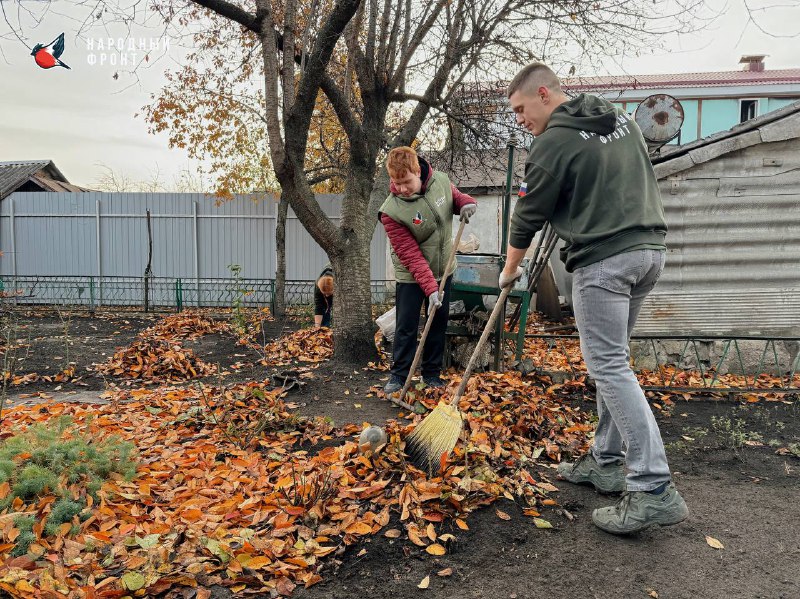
(401, 161)
(325, 285)
(532, 77)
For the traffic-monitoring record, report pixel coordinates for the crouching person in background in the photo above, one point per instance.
(323, 298)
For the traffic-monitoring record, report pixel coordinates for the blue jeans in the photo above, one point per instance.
(607, 297)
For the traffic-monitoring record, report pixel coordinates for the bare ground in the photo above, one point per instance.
(723, 456)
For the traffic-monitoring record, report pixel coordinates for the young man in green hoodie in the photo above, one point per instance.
(589, 174)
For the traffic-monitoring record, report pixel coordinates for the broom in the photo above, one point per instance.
(429, 319)
(438, 432)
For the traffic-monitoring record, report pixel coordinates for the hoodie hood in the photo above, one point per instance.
(425, 173)
(585, 113)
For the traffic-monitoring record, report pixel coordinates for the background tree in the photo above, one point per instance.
(385, 68)
(211, 108)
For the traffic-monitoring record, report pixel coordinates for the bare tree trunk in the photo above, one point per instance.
(354, 327)
(280, 248)
(353, 330)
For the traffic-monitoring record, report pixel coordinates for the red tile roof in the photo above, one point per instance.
(709, 79)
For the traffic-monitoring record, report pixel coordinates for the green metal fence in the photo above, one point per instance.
(163, 292)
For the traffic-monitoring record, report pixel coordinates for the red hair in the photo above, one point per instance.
(401, 161)
(325, 285)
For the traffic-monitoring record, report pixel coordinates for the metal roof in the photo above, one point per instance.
(43, 173)
(676, 80)
(474, 170)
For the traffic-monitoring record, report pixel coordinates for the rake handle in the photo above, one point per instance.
(487, 329)
(429, 318)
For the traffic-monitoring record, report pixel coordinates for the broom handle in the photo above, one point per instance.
(487, 329)
(429, 319)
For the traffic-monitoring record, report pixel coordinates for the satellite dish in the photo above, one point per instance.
(660, 118)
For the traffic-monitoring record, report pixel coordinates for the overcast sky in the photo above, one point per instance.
(83, 117)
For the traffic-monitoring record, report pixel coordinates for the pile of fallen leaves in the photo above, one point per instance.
(155, 360)
(157, 354)
(305, 345)
(188, 324)
(274, 513)
(66, 375)
(564, 355)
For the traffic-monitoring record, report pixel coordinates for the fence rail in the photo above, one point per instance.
(163, 292)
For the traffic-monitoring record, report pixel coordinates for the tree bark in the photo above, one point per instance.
(280, 249)
(353, 326)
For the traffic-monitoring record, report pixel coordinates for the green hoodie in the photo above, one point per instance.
(589, 174)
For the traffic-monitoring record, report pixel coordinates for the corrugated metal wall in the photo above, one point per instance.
(105, 234)
(733, 263)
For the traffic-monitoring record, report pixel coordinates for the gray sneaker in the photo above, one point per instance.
(586, 471)
(394, 384)
(637, 510)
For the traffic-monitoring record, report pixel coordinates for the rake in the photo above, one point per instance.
(437, 434)
(429, 320)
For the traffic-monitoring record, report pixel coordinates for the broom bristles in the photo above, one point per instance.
(437, 434)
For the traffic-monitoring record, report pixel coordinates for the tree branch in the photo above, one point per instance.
(289, 54)
(341, 106)
(300, 119)
(268, 51)
(232, 12)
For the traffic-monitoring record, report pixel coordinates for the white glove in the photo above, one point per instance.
(434, 302)
(507, 279)
(467, 211)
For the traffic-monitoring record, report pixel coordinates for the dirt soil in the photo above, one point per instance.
(722, 453)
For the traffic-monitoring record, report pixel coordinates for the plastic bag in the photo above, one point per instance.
(470, 245)
(386, 323)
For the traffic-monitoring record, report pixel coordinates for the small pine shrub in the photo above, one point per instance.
(6, 468)
(63, 511)
(34, 480)
(52, 459)
(24, 523)
(24, 541)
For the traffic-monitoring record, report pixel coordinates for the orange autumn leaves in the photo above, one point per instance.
(306, 345)
(264, 518)
(157, 353)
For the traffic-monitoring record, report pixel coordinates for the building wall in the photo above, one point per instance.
(715, 114)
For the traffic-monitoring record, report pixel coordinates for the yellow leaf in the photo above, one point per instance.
(258, 562)
(24, 586)
(415, 538)
(426, 582)
(445, 572)
(435, 549)
(133, 581)
(392, 533)
(542, 523)
(712, 542)
(359, 528)
(431, 532)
